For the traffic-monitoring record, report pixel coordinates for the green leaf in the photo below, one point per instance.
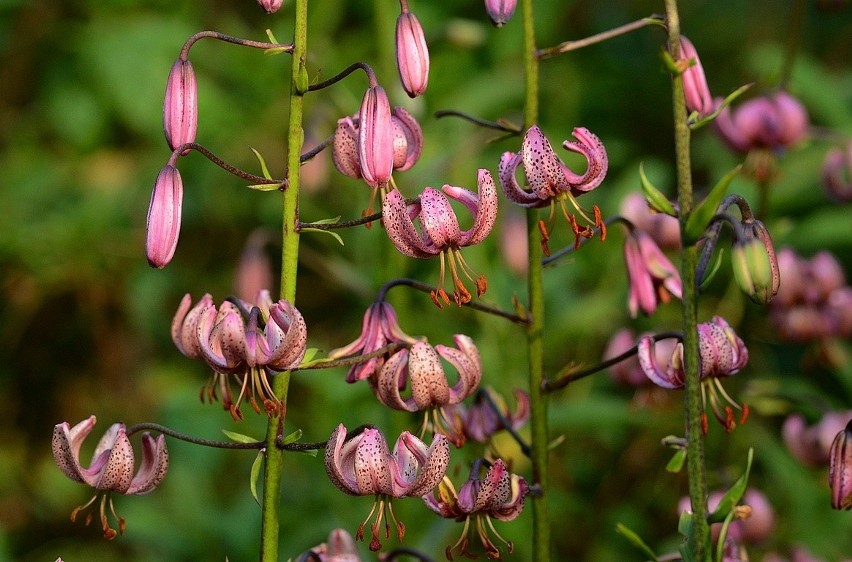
(677, 460)
(733, 495)
(697, 124)
(714, 268)
(655, 198)
(255, 474)
(292, 438)
(309, 452)
(265, 187)
(333, 220)
(310, 353)
(635, 540)
(329, 232)
(239, 437)
(263, 165)
(686, 528)
(701, 216)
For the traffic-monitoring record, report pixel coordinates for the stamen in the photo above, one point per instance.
(122, 526)
(744, 415)
(400, 526)
(434, 296)
(599, 222)
(580, 210)
(705, 426)
(542, 229)
(481, 285)
(508, 544)
(359, 534)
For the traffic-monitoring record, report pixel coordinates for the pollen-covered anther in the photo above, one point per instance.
(599, 222)
(542, 229)
(481, 285)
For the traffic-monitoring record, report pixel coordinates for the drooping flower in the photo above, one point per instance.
(164, 214)
(840, 469)
(270, 6)
(695, 89)
(412, 54)
(499, 495)
(112, 467)
(653, 278)
(837, 174)
(419, 369)
(375, 137)
(550, 181)
(721, 354)
(480, 421)
(241, 340)
(340, 547)
(776, 121)
(755, 264)
(379, 328)
(440, 234)
(628, 371)
(363, 465)
(500, 11)
(811, 444)
(180, 108)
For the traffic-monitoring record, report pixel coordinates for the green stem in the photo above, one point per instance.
(535, 344)
(700, 547)
(272, 473)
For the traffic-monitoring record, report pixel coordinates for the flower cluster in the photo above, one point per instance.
(249, 342)
(776, 121)
(813, 302)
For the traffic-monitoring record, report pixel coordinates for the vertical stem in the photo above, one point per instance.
(535, 345)
(272, 473)
(700, 547)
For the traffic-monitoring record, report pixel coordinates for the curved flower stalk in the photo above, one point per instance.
(380, 328)
(340, 547)
(721, 354)
(499, 495)
(112, 467)
(420, 370)
(550, 181)
(363, 465)
(244, 341)
(653, 278)
(440, 234)
(412, 54)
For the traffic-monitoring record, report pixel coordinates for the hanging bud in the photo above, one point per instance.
(755, 265)
(840, 469)
(695, 89)
(375, 137)
(180, 108)
(412, 54)
(271, 6)
(500, 11)
(163, 225)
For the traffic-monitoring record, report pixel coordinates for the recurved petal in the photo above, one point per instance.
(400, 228)
(155, 463)
(483, 207)
(407, 139)
(507, 170)
(467, 361)
(387, 384)
(597, 162)
(287, 337)
(432, 468)
(222, 340)
(340, 460)
(185, 325)
(66, 444)
(515, 504)
(344, 152)
(667, 378)
(495, 489)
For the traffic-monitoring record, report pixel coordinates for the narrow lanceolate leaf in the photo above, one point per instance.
(676, 462)
(239, 437)
(701, 216)
(725, 103)
(263, 165)
(292, 438)
(655, 198)
(635, 540)
(733, 495)
(711, 272)
(323, 231)
(255, 474)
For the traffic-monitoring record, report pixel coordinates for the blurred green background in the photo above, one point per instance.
(84, 322)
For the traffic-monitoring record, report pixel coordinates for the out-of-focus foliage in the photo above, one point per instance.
(84, 322)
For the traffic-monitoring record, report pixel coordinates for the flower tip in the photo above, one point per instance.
(412, 54)
(164, 216)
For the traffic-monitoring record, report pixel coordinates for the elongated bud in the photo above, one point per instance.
(500, 11)
(412, 54)
(163, 225)
(840, 469)
(755, 265)
(180, 108)
(375, 137)
(695, 89)
(271, 6)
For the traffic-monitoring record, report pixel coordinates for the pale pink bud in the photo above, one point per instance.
(271, 6)
(375, 137)
(163, 224)
(412, 54)
(500, 11)
(695, 89)
(180, 108)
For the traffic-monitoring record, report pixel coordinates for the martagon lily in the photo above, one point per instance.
(363, 465)
(112, 467)
(440, 234)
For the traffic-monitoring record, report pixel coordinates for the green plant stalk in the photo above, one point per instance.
(272, 470)
(535, 329)
(701, 550)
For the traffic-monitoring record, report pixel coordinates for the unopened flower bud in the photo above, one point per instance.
(375, 137)
(271, 6)
(840, 469)
(412, 54)
(696, 91)
(180, 108)
(837, 174)
(163, 225)
(500, 11)
(755, 267)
